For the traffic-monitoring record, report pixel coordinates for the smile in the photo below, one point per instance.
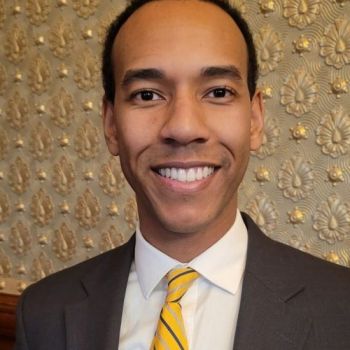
(186, 175)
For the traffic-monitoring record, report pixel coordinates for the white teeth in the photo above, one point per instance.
(182, 176)
(173, 173)
(191, 175)
(199, 174)
(186, 175)
(205, 171)
(167, 172)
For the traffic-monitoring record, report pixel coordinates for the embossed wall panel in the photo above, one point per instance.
(63, 199)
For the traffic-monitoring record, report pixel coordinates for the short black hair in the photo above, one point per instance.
(119, 21)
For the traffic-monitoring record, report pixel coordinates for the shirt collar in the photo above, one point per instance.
(222, 264)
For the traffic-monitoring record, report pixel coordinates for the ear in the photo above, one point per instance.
(110, 127)
(257, 121)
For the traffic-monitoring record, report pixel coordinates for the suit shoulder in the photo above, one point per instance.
(327, 277)
(65, 285)
(283, 263)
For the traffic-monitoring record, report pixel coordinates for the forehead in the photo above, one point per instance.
(197, 31)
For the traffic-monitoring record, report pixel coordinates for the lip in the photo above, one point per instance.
(184, 165)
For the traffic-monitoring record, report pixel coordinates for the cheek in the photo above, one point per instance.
(234, 133)
(135, 132)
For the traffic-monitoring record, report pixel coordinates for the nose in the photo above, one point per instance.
(185, 122)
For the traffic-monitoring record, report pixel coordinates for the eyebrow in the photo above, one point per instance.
(156, 74)
(230, 71)
(142, 74)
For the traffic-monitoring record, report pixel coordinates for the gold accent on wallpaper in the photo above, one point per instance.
(64, 198)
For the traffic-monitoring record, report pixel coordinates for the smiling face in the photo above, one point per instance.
(182, 120)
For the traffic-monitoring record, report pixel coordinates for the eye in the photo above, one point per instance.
(146, 95)
(220, 93)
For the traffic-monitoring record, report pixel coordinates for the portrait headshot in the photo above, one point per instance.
(220, 145)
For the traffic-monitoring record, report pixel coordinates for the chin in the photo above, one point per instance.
(180, 228)
(186, 223)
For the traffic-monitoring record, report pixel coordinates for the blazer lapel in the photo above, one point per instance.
(273, 313)
(94, 322)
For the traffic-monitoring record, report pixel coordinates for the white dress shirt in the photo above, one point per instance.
(209, 308)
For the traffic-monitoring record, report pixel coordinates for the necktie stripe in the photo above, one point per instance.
(170, 333)
(175, 315)
(178, 291)
(174, 278)
(185, 279)
(175, 323)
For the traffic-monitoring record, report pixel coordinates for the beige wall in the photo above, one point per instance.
(63, 199)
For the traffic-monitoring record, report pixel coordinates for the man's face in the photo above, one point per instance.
(182, 121)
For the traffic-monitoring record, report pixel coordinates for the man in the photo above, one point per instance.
(182, 112)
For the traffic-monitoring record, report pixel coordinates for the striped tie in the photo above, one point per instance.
(170, 333)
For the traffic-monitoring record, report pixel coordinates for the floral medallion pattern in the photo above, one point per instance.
(86, 72)
(335, 43)
(110, 239)
(130, 212)
(17, 111)
(63, 179)
(4, 207)
(38, 11)
(88, 210)
(19, 176)
(269, 47)
(270, 140)
(41, 208)
(16, 44)
(301, 13)
(62, 108)
(3, 79)
(267, 6)
(42, 266)
(61, 39)
(2, 13)
(39, 76)
(5, 264)
(20, 239)
(64, 243)
(111, 178)
(333, 133)
(332, 220)
(299, 92)
(87, 141)
(4, 144)
(296, 178)
(263, 211)
(85, 8)
(41, 142)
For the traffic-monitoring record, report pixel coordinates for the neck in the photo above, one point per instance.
(184, 247)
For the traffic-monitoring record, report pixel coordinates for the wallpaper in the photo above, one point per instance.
(64, 199)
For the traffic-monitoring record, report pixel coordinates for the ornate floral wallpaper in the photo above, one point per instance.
(63, 199)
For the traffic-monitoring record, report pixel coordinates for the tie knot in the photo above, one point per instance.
(179, 280)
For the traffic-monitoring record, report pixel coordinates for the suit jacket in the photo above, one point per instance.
(290, 301)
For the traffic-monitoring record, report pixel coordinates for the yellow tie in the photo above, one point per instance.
(170, 333)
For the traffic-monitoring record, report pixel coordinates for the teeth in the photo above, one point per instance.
(186, 175)
(191, 175)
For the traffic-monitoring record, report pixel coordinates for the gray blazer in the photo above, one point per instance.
(290, 301)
